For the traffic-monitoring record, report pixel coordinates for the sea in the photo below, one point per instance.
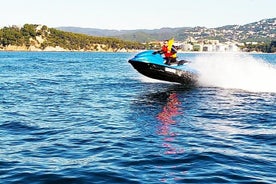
(86, 117)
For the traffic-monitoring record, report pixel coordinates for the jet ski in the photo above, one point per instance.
(152, 64)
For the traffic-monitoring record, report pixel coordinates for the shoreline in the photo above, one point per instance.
(125, 51)
(64, 50)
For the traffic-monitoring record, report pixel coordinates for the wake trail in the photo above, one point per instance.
(236, 71)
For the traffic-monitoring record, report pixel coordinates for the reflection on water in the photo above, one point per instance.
(159, 111)
(170, 110)
(166, 118)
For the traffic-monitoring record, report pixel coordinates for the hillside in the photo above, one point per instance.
(263, 30)
(41, 38)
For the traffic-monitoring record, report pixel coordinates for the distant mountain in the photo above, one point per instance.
(140, 35)
(263, 30)
(94, 31)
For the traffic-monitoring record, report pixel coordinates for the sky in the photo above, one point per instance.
(135, 14)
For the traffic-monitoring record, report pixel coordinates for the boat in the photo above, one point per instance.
(152, 64)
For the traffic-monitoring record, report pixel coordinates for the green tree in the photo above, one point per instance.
(272, 47)
(29, 30)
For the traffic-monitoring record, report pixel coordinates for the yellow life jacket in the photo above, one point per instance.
(170, 44)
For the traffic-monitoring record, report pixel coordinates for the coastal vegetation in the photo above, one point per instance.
(267, 47)
(253, 37)
(39, 38)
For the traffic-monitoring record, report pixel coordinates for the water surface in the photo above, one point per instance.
(91, 118)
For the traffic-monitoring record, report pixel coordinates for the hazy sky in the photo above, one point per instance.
(135, 14)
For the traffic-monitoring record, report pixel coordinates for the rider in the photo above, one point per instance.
(172, 58)
(169, 52)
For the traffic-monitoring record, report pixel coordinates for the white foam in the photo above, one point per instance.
(235, 70)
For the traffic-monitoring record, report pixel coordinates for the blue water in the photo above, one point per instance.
(91, 118)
